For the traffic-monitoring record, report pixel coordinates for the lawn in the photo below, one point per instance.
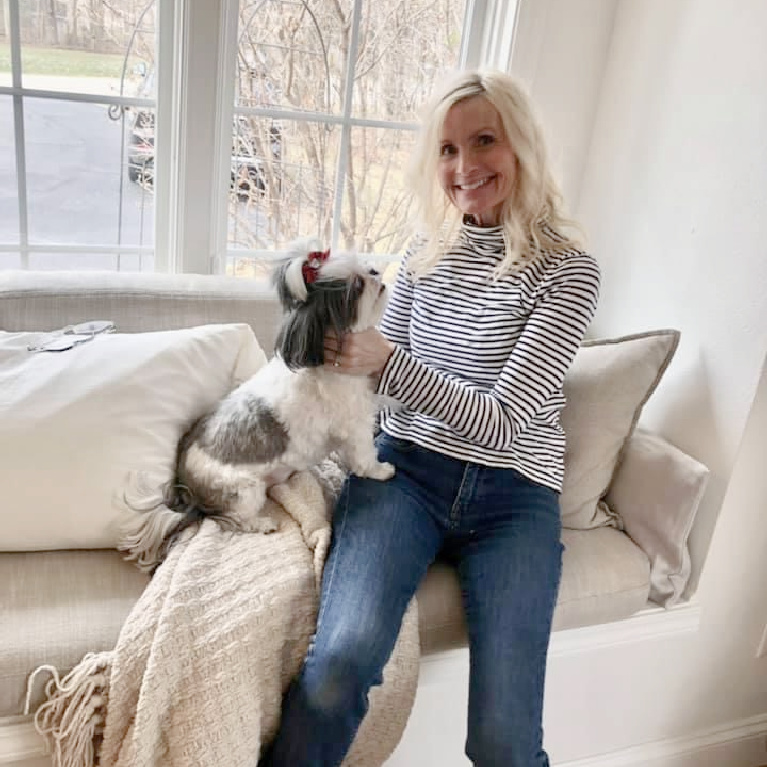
(60, 61)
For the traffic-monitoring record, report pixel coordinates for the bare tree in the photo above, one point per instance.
(54, 22)
(295, 54)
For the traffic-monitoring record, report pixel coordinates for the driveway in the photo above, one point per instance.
(78, 191)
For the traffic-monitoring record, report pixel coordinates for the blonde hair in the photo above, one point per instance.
(533, 215)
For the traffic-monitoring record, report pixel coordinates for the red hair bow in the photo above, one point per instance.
(313, 262)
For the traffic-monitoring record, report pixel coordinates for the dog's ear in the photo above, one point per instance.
(331, 306)
(300, 341)
(288, 281)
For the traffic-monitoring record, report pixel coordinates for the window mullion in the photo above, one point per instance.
(187, 130)
(222, 147)
(343, 159)
(170, 30)
(18, 130)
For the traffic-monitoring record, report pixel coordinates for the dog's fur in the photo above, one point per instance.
(289, 416)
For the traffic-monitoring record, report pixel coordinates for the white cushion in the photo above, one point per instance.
(606, 387)
(74, 424)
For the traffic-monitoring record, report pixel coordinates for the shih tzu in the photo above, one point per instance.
(289, 416)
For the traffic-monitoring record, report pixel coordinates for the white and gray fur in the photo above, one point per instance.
(288, 417)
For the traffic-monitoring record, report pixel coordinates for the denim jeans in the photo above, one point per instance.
(502, 532)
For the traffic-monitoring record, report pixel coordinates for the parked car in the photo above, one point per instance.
(248, 175)
(141, 148)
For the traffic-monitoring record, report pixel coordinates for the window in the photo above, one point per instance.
(326, 99)
(75, 89)
(188, 136)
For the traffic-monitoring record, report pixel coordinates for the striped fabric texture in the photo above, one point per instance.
(480, 362)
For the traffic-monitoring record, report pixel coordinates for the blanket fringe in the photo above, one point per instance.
(71, 721)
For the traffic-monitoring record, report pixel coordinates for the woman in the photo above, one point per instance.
(486, 315)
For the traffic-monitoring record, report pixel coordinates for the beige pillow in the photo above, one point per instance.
(74, 424)
(657, 489)
(606, 387)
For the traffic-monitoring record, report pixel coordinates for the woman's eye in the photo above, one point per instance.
(486, 139)
(447, 149)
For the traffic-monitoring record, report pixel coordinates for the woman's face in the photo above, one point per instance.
(477, 165)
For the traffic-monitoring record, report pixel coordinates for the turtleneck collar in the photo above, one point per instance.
(487, 240)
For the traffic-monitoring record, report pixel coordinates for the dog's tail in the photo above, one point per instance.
(158, 516)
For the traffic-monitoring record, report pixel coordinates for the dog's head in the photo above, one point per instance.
(320, 292)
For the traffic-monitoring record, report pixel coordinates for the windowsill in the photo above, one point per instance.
(650, 623)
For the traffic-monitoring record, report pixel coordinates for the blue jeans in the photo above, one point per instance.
(502, 532)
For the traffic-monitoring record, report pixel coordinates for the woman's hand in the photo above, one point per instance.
(361, 354)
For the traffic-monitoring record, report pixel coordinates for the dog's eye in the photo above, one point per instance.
(374, 273)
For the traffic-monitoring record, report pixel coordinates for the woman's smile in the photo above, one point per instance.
(471, 186)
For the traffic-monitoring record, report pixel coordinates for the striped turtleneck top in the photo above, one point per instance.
(479, 363)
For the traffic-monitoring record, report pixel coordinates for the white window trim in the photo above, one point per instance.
(489, 33)
(190, 71)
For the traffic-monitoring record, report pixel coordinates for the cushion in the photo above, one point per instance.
(605, 389)
(605, 577)
(62, 605)
(657, 489)
(74, 424)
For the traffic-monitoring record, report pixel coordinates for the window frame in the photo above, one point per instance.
(195, 89)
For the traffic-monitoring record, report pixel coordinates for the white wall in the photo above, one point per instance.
(674, 199)
(671, 690)
(674, 196)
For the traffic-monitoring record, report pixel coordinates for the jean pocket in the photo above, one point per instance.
(397, 444)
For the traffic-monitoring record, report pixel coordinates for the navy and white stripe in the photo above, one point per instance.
(479, 364)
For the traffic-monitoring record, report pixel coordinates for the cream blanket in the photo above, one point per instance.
(201, 664)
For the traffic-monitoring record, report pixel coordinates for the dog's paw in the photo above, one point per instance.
(380, 471)
(268, 525)
(261, 523)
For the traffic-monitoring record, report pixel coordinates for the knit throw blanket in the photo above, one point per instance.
(202, 661)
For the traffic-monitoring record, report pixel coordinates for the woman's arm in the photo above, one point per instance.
(395, 323)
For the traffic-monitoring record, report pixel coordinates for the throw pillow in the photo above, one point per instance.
(657, 489)
(75, 423)
(605, 389)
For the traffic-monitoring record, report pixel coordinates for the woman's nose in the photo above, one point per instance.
(466, 162)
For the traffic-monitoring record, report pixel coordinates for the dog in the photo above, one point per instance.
(293, 413)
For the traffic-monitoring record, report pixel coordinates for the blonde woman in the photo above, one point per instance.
(484, 320)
